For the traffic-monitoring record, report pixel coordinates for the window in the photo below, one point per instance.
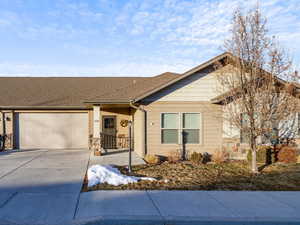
(176, 126)
(109, 123)
(244, 135)
(169, 126)
(191, 125)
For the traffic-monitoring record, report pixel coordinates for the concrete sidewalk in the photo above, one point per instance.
(156, 207)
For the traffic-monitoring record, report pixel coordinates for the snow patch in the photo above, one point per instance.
(98, 174)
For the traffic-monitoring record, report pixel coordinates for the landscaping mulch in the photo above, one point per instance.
(234, 175)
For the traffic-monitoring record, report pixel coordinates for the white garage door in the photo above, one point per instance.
(52, 130)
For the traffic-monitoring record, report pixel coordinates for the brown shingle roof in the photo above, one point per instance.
(74, 91)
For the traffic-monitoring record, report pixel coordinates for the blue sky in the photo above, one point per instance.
(126, 37)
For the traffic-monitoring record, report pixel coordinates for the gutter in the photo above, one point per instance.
(105, 102)
(131, 103)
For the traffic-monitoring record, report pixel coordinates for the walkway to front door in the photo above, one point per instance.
(117, 157)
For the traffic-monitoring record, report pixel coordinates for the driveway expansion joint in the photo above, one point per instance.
(78, 197)
(23, 164)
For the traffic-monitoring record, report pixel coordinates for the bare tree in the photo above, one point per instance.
(258, 81)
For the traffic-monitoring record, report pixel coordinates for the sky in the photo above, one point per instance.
(126, 37)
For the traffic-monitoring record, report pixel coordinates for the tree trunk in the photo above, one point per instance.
(253, 149)
(253, 163)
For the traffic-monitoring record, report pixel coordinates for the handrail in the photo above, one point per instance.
(110, 141)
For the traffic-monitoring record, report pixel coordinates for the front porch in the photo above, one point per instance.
(112, 128)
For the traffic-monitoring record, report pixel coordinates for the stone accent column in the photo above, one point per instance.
(96, 142)
(96, 121)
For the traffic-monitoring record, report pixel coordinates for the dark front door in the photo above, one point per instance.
(109, 131)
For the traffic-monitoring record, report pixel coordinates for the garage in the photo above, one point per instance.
(51, 130)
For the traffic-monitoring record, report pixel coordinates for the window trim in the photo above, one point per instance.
(181, 129)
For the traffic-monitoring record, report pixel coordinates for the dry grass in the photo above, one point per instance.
(174, 156)
(223, 176)
(152, 159)
(220, 156)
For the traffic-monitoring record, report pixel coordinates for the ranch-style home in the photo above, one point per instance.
(73, 112)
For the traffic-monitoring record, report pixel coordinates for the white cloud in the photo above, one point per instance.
(183, 32)
(202, 23)
(205, 24)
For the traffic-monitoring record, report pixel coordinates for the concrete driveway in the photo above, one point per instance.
(38, 184)
(43, 187)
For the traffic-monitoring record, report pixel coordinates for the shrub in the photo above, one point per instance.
(152, 159)
(174, 156)
(220, 156)
(196, 157)
(287, 155)
(264, 154)
(206, 157)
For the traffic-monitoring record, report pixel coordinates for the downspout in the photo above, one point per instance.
(143, 127)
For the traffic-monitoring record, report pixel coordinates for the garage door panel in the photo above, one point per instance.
(53, 130)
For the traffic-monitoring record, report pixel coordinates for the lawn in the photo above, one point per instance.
(233, 175)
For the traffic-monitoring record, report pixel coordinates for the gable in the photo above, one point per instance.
(209, 64)
(200, 86)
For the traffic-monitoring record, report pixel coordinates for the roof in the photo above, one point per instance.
(133, 90)
(76, 92)
(18, 92)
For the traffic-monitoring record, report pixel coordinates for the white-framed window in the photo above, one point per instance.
(180, 127)
(191, 128)
(169, 128)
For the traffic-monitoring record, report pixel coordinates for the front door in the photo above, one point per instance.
(109, 130)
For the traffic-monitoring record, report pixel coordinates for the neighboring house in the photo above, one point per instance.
(70, 112)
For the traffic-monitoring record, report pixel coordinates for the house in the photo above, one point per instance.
(71, 112)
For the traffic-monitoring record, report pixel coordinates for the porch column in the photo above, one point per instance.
(96, 140)
(96, 121)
